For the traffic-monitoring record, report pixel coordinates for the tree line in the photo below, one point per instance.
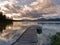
(3, 17)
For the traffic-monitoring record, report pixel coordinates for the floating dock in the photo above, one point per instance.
(29, 37)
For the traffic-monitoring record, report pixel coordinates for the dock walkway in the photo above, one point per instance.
(29, 37)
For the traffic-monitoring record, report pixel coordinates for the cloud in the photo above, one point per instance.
(10, 8)
(35, 8)
(42, 10)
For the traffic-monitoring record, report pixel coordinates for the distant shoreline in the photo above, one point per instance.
(34, 20)
(43, 22)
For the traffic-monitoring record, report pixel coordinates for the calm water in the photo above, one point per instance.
(10, 33)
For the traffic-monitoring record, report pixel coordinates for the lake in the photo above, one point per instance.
(10, 32)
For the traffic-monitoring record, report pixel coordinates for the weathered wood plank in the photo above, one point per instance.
(28, 38)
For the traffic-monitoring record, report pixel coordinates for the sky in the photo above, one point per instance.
(57, 1)
(30, 8)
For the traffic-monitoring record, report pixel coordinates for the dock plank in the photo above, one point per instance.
(28, 38)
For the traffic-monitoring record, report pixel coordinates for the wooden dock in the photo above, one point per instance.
(29, 37)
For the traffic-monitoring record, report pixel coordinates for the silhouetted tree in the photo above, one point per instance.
(4, 21)
(2, 17)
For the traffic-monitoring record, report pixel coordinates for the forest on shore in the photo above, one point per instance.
(4, 18)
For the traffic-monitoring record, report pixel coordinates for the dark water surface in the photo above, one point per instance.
(10, 32)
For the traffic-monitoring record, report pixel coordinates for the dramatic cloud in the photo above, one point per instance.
(42, 7)
(10, 8)
(29, 8)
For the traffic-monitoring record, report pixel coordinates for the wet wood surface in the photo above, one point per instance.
(29, 37)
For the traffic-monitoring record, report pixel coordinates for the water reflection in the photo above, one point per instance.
(3, 25)
(11, 32)
(47, 31)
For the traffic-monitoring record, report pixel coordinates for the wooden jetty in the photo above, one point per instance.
(29, 37)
